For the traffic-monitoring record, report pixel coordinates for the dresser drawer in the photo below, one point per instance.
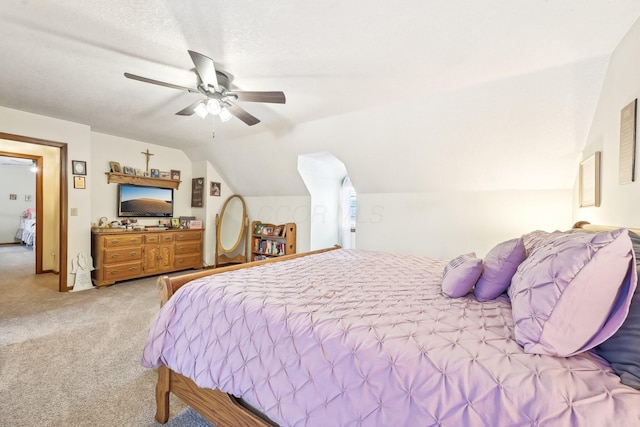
(122, 271)
(193, 235)
(124, 240)
(159, 238)
(187, 247)
(111, 256)
(187, 261)
(166, 238)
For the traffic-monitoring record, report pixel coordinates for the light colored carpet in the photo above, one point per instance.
(73, 359)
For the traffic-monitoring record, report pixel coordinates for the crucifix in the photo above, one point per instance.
(148, 154)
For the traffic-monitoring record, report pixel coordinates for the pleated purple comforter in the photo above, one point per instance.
(359, 338)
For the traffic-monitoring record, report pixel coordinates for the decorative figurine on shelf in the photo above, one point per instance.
(81, 266)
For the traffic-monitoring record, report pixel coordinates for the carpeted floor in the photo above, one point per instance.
(73, 359)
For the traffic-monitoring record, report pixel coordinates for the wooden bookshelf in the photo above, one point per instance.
(272, 240)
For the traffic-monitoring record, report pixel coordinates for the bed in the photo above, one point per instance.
(27, 229)
(349, 337)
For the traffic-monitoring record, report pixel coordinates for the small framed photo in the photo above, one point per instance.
(175, 174)
(79, 167)
(195, 224)
(165, 175)
(128, 170)
(185, 220)
(215, 188)
(115, 167)
(13, 197)
(175, 222)
(155, 173)
(258, 229)
(139, 172)
(267, 231)
(78, 182)
(277, 230)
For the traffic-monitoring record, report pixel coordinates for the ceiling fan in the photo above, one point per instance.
(219, 99)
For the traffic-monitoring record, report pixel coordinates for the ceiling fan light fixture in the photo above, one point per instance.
(213, 106)
(224, 115)
(201, 110)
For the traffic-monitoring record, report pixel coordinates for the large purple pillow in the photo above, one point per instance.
(622, 350)
(498, 268)
(460, 275)
(573, 292)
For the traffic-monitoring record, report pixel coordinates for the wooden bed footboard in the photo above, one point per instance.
(219, 408)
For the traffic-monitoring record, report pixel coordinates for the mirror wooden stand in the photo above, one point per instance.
(231, 232)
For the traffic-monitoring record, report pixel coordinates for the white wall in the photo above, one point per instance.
(439, 224)
(18, 180)
(106, 148)
(620, 202)
(447, 224)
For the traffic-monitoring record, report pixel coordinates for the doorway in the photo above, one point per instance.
(56, 227)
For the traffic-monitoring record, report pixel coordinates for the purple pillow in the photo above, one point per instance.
(460, 275)
(537, 239)
(622, 350)
(573, 293)
(499, 266)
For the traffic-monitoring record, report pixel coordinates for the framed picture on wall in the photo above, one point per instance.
(215, 188)
(78, 182)
(79, 167)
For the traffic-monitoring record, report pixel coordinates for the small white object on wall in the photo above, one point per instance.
(81, 266)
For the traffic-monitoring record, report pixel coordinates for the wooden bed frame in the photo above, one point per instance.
(219, 408)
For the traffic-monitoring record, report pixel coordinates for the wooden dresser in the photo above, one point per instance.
(123, 255)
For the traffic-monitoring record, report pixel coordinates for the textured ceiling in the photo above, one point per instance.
(363, 79)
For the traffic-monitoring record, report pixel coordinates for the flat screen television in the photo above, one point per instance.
(139, 201)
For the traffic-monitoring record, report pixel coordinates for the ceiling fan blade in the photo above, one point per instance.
(188, 111)
(206, 69)
(241, 114)
(159, 83)
(249, 96)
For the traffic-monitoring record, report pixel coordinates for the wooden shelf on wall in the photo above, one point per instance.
(142, 180)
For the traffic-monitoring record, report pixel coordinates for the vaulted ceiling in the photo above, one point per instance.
(420, 95)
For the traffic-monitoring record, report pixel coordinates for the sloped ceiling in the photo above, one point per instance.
(411, 96)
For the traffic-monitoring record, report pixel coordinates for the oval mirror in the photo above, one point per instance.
(231, 229)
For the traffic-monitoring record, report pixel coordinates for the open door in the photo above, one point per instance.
(40, 150)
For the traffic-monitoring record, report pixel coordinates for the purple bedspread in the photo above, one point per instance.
(359, 338)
